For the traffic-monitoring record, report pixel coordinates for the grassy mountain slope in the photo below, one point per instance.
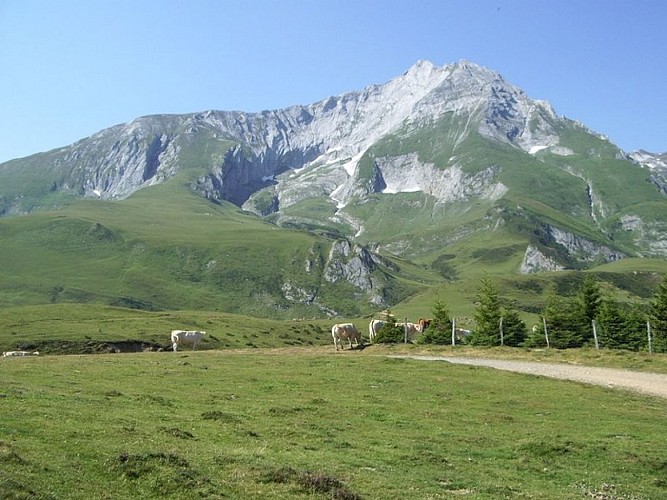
(167, 248)
(549, 190)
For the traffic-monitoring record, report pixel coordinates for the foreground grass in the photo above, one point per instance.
(315, 424)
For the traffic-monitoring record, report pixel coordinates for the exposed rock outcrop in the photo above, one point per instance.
(354, 264)
(535, 261)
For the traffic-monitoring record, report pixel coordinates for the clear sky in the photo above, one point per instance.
(69, 68)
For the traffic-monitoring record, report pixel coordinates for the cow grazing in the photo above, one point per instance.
(345, 331)
(180, 337)
(20, 353)
(374, 327)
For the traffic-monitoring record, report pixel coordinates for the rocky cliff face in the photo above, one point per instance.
(244, 152)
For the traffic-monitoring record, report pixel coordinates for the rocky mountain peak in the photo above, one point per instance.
(420, 68)
(319, 144)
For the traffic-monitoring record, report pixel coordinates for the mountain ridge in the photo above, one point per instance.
(442, 154)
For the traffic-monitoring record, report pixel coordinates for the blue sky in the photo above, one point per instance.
(69, 68)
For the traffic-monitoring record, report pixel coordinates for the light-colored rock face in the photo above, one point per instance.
(308, 150)
(657, 164)
(578, 249)
(535, 261)
(650, 160)
(581, 248)
(405, 174)
(354, 264)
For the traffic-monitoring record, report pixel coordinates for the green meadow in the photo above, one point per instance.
(267, 408)
(307, 422)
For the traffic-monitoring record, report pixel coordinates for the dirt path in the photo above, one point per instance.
(654, 384)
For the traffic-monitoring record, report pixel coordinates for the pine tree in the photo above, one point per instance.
(487, 315)
(565, 321)
(609, 324)
(635, 336)
(659, 317)
(590, 298)
(390, 333)
(514, 328)
(440, 330)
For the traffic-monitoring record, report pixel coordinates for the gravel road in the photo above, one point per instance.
(654, 384)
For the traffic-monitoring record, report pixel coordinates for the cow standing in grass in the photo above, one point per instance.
(345, 331)
(180, 337)
(410, 328)
(374, 327)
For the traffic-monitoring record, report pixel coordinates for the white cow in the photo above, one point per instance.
(20, 353)
(374, 327)
(412, 328)
(186, 337)
(345, 331)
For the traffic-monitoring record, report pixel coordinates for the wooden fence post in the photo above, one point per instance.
(502, 337)
(546, 334)
(650, 338)
(405, 331)
(595, 335)
(453, 331)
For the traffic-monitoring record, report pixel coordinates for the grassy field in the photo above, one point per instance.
(312, 423)
(82, 328)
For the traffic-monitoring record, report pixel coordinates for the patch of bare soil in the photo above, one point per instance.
(654, 384)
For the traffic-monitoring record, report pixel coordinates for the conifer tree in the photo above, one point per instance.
(565, 321)
(590, 298)
(658, 317)
(514, 328)
(390, 333)
(635, 335)
(621, 327)
(440, 329)
(487, 315)
(610, 323)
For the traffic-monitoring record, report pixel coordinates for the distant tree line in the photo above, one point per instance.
(587, 318)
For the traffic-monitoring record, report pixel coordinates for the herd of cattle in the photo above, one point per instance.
(349, 332)
(340, 332)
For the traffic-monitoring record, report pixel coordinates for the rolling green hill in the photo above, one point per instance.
(188, 253)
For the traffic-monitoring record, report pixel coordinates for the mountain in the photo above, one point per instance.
(656, 164)
(447, 168)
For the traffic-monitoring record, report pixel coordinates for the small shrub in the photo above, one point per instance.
(390, 333)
